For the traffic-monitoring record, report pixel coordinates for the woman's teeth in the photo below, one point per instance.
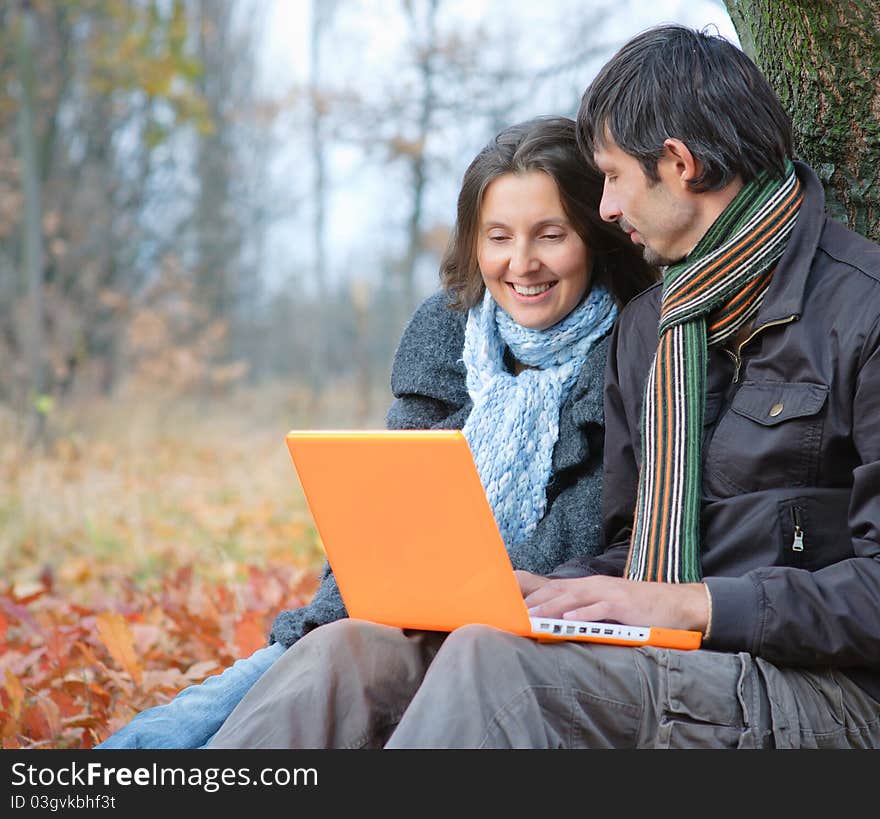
(533, 290)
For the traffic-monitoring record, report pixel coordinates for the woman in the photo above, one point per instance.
(511, 351)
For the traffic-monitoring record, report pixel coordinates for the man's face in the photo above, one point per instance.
(661, 216)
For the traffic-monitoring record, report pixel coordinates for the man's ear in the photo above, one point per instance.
(685, 166)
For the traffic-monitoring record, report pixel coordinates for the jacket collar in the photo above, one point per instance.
(785, 295)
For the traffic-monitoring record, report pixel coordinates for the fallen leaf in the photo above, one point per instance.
(34, 721)
(15, 690)
(250, 634)
(119, 641)
(198, 671)
(52, 713)
(27, 591)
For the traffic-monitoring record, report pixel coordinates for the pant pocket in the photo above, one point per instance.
(712, 700)
(819, 709)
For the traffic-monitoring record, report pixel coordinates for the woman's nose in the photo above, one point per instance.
(523, 260)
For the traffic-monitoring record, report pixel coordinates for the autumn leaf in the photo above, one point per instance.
(8, 725)
(52, 714)
(67, 706)
(250, 634)
(16, 693)
(71, 673)
(119, 641)
(35, 723)
(198, 671)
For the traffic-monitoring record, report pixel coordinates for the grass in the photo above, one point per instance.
(148, 543)
(146, 486)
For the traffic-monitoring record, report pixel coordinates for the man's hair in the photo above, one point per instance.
(548, 144)
(672, 82)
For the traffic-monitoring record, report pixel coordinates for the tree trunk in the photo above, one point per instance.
(321, 15)
(32, 225)
(419, 158)
(823, 61)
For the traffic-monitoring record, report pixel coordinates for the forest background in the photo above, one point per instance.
(215, 218)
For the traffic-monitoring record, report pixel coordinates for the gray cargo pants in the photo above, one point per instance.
(352, 684)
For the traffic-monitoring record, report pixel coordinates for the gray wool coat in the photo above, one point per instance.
(428, 384)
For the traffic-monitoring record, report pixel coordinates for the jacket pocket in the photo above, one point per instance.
(769, 437)
(814, 529)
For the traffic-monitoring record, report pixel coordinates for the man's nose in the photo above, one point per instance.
(608, 207)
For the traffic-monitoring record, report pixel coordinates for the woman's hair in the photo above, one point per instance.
(547, 144)
(672, 82)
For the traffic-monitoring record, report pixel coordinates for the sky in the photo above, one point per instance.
(363, 195)
(288, 23)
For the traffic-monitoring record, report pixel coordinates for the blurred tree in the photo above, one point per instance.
(321, 18)
(823, 60)
(415, 120)
(226, 209)
(121, 106)
(32, 234)
(426, 47)
(177, 241)
(112, 80)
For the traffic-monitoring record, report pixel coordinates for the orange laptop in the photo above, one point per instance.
(412, 541)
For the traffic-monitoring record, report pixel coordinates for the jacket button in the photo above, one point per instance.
(776, 409)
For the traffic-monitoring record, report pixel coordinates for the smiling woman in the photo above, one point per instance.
(528, 215)
(533, 261)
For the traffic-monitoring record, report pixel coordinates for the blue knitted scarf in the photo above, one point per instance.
(513, 426)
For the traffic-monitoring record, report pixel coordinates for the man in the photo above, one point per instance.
(742, 454)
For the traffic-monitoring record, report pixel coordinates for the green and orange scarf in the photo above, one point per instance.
(706, 299)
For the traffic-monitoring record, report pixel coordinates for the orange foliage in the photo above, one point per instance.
(70, 674)
(150, 543)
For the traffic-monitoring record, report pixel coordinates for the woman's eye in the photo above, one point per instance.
(497, 238)
(554, 236)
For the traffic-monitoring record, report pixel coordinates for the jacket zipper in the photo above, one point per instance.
(797, 545)
(738, 358)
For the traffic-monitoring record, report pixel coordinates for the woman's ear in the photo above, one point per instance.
(685, 166)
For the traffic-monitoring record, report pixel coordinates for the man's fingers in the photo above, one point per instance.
(554, 607)
(558, 598)
(528, 582)
(593, 613)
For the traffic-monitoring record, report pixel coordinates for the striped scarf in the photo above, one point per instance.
(706, 299)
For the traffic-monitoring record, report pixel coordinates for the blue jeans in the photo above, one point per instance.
(195, 714)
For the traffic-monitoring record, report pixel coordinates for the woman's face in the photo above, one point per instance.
(532, 260)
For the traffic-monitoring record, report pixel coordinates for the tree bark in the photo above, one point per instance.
(32, 224)
(823, 61)
(321, 15)
(426, 59)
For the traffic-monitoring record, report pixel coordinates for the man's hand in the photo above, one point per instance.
(631, 602)
(528, 582)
